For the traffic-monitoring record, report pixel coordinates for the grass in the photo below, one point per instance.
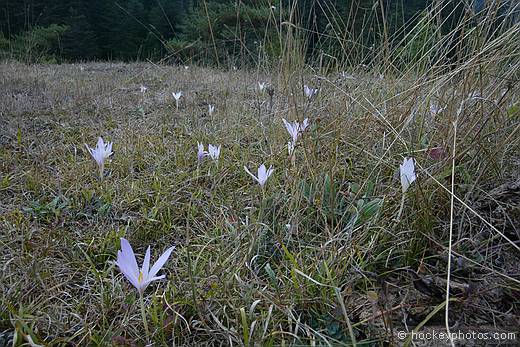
(318, 257)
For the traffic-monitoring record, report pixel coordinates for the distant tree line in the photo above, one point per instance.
(208, 31)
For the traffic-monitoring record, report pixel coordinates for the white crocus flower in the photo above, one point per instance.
(140, 278)
(214, 151)
(211, 109)
(407, 173)
(143, 89)
(262, 85)
(263, 174)
(100, 153)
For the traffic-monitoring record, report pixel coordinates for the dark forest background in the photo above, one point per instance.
(234, 32)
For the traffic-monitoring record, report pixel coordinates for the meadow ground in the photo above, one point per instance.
(319, 256)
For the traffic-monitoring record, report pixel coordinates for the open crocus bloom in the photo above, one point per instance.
(407, 173)
(292, 128)
(201, 152)
(214, 151)
(261, 85)
(100, 153)
(127, 263)
(211, 109)
(143, 89)
(436, 109)
(177, 95)
(263, 174)
(295, 129)
(309, 92)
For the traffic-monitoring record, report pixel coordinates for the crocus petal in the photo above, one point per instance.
(109, 149)
(146, 263)
(261, 172)
(201, 152)
(134, 281)
(249, 172)
(154, 278)
(404, 183)
(407, 173)
(150, 280)
(89, 149)
(160, 262)
(129, 257)
(125, 266)
(305, 124)
(100, 143)
(269, 172)
(287, 125)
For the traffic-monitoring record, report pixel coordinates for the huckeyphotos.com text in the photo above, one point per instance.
(457, 335)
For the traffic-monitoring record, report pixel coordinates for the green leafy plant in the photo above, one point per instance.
(48, 212)
(339, 205)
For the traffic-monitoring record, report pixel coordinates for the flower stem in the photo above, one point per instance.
(143, 315)
(401, 208)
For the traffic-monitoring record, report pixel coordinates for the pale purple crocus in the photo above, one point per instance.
(263, 174)
(295, 129)
(100, 153)
(214, 151)
(140, 278)
(292, 128)
(436, 109)
(309, 92)
(407, 173)
(201, 153)
(304, 125)
(177, 97)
